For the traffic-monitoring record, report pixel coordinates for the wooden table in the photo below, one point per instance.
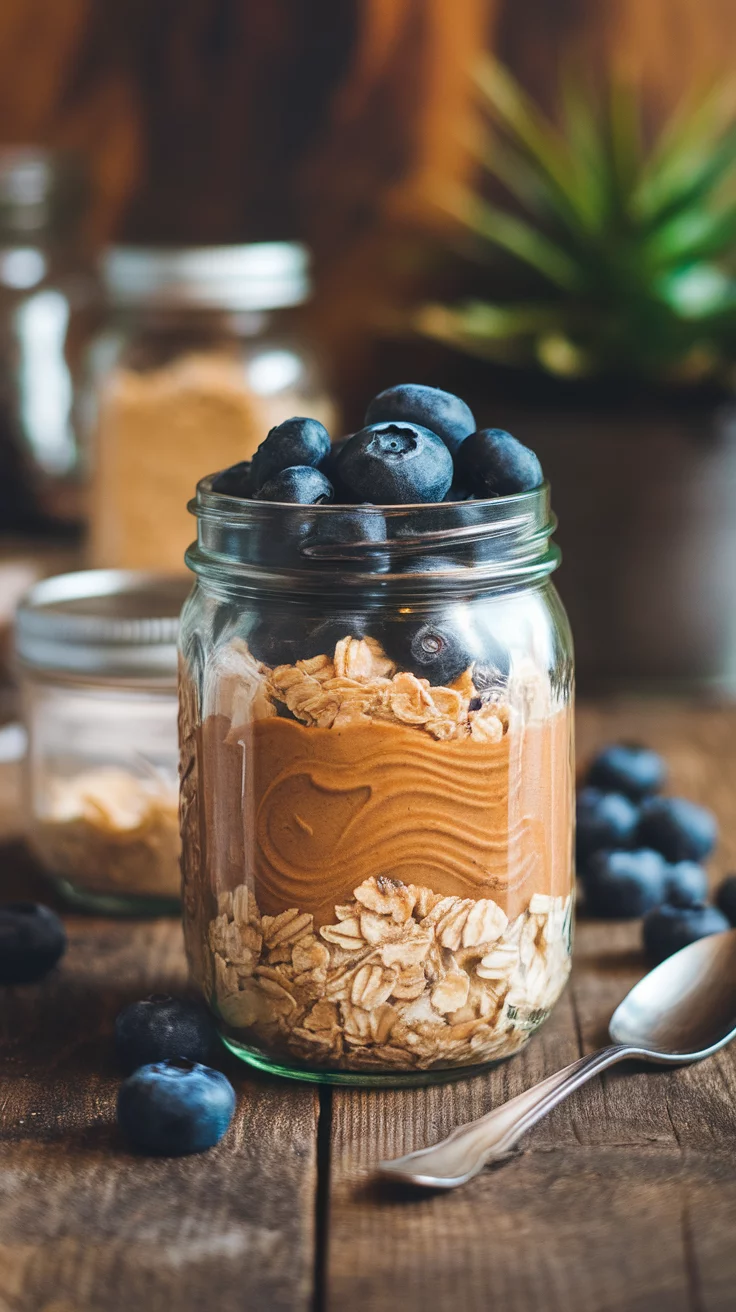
(624, 1199)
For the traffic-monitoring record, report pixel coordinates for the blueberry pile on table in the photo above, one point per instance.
(640, 854)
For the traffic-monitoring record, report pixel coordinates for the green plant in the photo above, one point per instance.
(616, 255)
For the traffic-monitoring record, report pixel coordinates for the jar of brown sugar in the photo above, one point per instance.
(98, 661)
(204, 352)
(377, 782)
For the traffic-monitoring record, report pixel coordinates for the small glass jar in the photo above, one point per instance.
(203, 354)
(377, 783)
(97, 652)
(48, 300)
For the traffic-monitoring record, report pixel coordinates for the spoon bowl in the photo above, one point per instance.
(685, 1008)
(682, 1011)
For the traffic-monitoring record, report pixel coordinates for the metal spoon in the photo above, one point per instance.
(682, 1011)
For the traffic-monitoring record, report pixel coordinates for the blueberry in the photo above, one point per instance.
(175, 1107)
(299, 484)
(668, 928)
(237, 481)
(161, 1029)
(275, 641)
(627, 768)
(345, 527)
(441, 412)
(726, 898)
(494, 464)
(322, 639)
(395, 464)
(32, 940)
(295, 442)
(678, 829)
(603, 820)
(686, 884)
(430, 649)
(624, 885)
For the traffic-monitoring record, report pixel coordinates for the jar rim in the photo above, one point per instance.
(254, 276)
(105, 624)
(447, 544)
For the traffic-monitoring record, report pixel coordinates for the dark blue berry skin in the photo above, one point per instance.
(625, 768)
(726, 898)
(395, 464)
(668, 928)
(237, 481)
(274, 640)
(686, 884)
(429, 649)
(604, 820)
(163, 1029)
(624, 885)
(493, 464)
(171, 1109)
(32, 940)
(300, 485)
(680, 830)
(346, 527)
(297, 441)
(322, 639)
(441, 412)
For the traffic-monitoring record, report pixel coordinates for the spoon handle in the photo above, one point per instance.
(464, 1152)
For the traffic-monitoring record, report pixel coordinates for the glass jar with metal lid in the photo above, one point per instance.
(97, 653)
(203, 354)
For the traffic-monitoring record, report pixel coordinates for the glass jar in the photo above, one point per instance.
(377, 783)
(204, 354)
(47, 304)
(98, 659)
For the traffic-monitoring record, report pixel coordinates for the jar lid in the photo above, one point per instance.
(103, 624)
(261, 276)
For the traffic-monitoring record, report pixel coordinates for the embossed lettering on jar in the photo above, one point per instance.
(377, 783)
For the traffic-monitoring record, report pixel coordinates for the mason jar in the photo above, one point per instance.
(376, 782)
(205, 349)
(97, 653)
(48, 304)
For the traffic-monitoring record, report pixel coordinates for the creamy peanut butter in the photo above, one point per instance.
(325, 809)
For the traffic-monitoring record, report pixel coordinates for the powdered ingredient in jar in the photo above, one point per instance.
(157, 430)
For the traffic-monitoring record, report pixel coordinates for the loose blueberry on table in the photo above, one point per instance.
(668, 928)
(726, 898)
(604, 820)
(32, 941)
(161, 1028)
(624, 885)
(630, 769)
(173, 1108)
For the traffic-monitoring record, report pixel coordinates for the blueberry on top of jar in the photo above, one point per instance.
(299, 484)
(441, 412)
(237, 481)
(298, 441)
(492, 463)
(395, 464)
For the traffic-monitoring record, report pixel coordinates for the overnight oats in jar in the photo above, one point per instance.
(376, 737)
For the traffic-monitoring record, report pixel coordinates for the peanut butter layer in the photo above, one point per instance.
(325, 809)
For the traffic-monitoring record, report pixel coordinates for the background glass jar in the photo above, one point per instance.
(48, 300)
(98, 661)
(377, 782)
(204, 353)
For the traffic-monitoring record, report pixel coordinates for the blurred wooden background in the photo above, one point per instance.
(216, 120)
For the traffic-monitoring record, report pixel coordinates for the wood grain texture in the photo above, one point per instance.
(87, 1225)
(623, 1199)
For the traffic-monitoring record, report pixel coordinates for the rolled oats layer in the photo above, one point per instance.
(110, 832)
(402, 978)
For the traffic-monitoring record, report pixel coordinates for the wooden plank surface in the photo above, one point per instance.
(624, 1198)
(85, 1225)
